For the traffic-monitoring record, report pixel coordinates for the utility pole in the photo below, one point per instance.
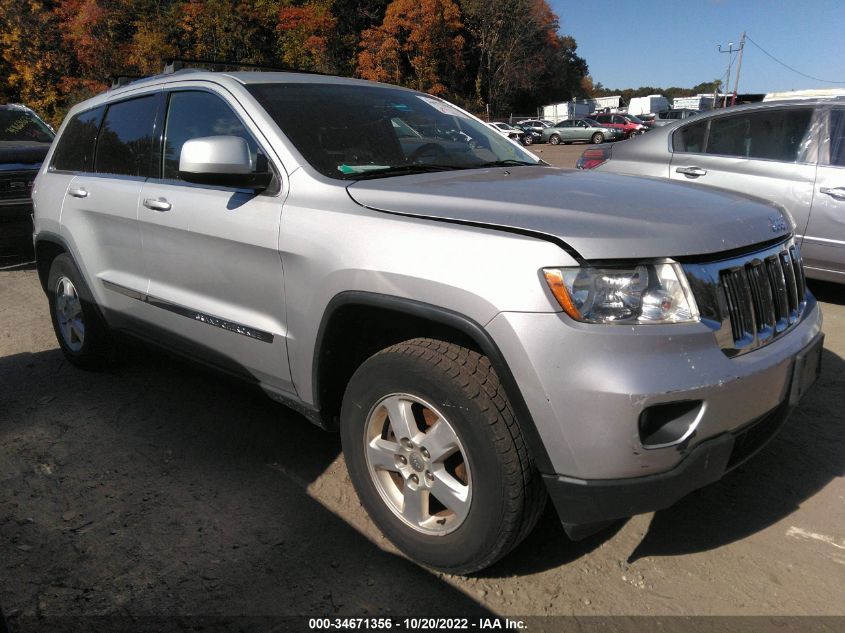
(731, 50)
(738, 68)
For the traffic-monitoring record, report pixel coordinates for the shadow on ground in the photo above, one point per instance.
(161, 488)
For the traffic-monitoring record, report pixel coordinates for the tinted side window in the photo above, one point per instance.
(837, 138)
(772, 134)
(75, 148)
(126, 138)
(195, 115)
(690, 138)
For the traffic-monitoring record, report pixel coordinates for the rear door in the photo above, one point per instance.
(768, 152)
(216, 279)
(100, 213)
(823, 247)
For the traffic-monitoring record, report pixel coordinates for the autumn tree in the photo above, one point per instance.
(306, 35)
(418, 44)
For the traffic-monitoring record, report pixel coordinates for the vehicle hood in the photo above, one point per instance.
(20, 155)
(601, 216)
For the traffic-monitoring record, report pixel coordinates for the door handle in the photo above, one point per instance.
(78, 192)
(692, 172)
(157, 204)
(837, 193)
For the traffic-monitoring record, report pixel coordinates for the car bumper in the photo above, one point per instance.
(598, 397)
(15, 230)
(587, 386)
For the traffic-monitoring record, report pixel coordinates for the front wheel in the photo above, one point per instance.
(598, 137)
(436, 456)
(527, 140)
(554, 139)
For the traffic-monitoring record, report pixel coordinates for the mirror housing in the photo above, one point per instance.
(221, 161)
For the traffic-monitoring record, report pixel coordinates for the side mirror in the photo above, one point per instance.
(223, 161)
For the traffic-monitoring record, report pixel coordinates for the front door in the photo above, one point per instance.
(216, 279)
(769, 153)
(823, 247)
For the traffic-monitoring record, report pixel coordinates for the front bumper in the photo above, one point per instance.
(583, 502)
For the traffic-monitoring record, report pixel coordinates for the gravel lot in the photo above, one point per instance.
(157, 488)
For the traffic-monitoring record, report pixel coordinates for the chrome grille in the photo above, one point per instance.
(751, 299)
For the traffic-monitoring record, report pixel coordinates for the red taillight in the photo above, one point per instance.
(593, 157)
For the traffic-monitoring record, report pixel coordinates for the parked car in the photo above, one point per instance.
(627, 123)
(24, 141)
(789, 152)
(580, 130)
(507, 130)
(670, 116)
(530, 135)
(481, 328)
(537, 125)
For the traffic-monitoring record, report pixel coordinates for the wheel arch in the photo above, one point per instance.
(48, 246)
(341, 346)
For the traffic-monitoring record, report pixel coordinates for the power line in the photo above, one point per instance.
(827, 81)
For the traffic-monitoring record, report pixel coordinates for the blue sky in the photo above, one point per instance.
(628, 44)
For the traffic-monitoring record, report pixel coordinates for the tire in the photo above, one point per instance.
(554, 139)
(475, 505)
(597, 138)
(82, 334)
(527, 140)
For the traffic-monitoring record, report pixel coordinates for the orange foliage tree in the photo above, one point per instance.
(419, 44)
(305, 36)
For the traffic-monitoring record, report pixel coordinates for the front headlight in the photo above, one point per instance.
(647, 293)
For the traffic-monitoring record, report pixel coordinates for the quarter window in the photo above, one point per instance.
(75, 147)
(195, 114)
(125, 143)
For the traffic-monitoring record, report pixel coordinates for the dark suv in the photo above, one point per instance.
(24, 141)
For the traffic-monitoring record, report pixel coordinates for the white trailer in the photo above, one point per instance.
(698, 102)
(652, 104)
(566, 110)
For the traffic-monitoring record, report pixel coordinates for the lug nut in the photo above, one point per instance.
(402, 459)
(429, 476)
(425, 453)
(406, 442)
(415, 479)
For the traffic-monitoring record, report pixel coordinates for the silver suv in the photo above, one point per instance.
(483, 330)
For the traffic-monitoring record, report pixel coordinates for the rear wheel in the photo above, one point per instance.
(598, 137)
(82, 335)
(554, 139)
(436, 456)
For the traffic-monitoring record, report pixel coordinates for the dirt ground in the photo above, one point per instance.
(159, 489)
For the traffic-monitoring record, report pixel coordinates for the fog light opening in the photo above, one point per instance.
(668, 424)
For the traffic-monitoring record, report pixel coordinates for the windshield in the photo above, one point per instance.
(593, 123)
(17, 124)
(633, 119)
(354, 131)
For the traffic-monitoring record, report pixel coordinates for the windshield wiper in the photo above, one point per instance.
(508, 162)
(395, 170)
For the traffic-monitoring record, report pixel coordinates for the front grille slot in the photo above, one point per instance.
(17, 185)
(751, 299)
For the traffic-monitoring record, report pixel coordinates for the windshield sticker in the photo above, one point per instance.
(440, 106)
(359, 169)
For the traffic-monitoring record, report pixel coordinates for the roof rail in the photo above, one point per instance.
(176, 64)
(123, 80)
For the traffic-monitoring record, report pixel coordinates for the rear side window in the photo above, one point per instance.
(770, 134)
(690, 138)
(837, 138)
(125, 142)
(195, 114)
(75, 148)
